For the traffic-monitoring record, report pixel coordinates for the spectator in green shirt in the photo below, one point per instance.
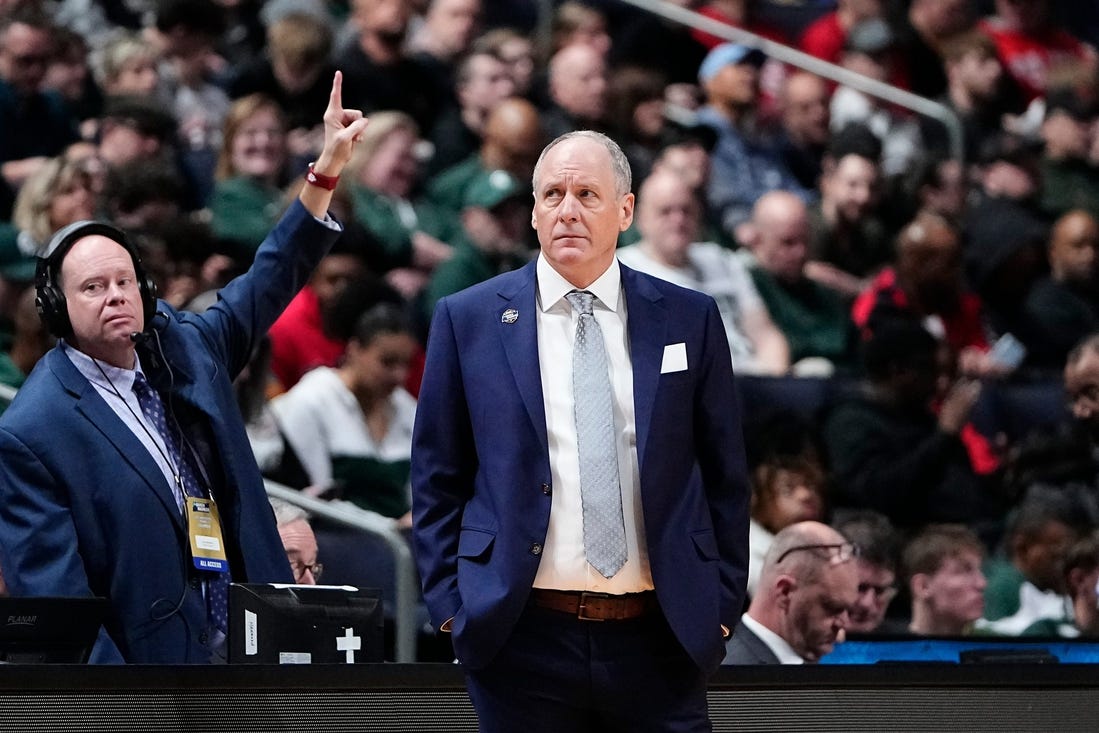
(494, 221)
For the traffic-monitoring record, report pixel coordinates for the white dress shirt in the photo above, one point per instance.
(563, 565)
(778, 646)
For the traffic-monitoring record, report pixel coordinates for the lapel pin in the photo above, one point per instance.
(509, 316)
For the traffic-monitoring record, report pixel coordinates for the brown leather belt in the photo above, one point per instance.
(589, 606)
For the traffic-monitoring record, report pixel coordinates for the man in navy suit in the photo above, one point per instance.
(548, 642)
(98, 471)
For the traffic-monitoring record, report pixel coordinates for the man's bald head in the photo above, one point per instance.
(578, 81)
(780, 234)
(513, 137)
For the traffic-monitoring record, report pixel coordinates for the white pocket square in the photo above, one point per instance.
(675, 358)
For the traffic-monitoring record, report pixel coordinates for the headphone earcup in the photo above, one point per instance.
(49, 301)
(148, 294)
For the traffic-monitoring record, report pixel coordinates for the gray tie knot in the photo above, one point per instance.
(581, 301)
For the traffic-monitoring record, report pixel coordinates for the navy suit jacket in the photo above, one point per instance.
(745, 647)
(84, 509)
(481, 473)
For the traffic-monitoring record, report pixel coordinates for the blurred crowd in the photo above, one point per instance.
(847, 244)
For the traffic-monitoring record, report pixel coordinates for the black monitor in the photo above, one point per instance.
(46, 630)
(304, 624)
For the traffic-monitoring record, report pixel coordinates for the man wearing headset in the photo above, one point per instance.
(125, 470)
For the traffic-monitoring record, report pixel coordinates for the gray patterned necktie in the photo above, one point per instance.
(600, 490)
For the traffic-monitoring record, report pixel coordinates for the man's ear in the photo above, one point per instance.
(627, 212)
(785, 585)
(919, 584)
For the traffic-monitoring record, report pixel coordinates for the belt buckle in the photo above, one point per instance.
(581, 611)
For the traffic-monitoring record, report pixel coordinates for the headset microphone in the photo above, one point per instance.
(138, 337)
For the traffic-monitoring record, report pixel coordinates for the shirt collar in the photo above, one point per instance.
(774, 642)
(100, 373)
(552, 287)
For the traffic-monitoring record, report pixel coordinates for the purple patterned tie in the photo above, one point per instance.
(217, 584)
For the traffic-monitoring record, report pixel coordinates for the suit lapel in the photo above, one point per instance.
(646, 324)
(93, 408)
(518, 326)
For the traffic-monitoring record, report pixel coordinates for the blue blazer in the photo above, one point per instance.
(481, 475)
(84, 509)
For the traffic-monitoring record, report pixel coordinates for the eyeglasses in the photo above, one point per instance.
(836, 554)
(300, 570)
(883, 593)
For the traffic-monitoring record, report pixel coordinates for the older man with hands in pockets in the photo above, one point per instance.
(579, 490)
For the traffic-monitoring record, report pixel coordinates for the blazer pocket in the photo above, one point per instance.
(706, 544)
(474, 544)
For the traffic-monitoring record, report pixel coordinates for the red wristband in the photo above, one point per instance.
(321, 180)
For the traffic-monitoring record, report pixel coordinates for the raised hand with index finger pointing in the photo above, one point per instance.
(342, 129)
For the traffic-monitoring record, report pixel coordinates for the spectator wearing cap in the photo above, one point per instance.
(870, 50)
(34, 124)
(494, 221)
(1063, 304)
(668, 220)
(745, 164)
(1069, 179)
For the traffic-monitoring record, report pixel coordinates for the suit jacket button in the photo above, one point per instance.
(546, 489)
(196, 583)
(203, 638)
(536, 548)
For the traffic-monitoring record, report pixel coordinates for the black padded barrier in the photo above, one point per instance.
(425, 698)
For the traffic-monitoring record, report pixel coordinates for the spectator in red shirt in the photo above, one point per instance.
(298, 340)
(825, 37)
(926, 282)
(1031, 46)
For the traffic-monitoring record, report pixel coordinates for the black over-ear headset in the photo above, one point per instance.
(49, 298)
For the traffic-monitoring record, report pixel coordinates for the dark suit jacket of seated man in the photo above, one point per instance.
(497, 475)
(86, 505)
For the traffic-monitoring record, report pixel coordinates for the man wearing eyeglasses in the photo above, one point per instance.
(800, 611)
(298, 540)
